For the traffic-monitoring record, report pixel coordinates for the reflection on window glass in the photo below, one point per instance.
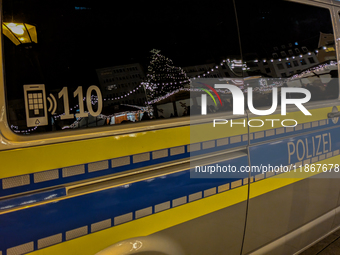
(297, 42)
(303, 62)
(85, 63)
(280, 66)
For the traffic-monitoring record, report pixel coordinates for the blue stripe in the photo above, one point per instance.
(277, 152)
(31, 224)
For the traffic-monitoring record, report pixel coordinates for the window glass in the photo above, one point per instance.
(280, 66)
(79, 64)
(301, 34)
(303, 62)
(311, 60)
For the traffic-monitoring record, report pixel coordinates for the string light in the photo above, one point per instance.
(165, 80)
(314, 69)
(149, 85)
(27, 131)
(163, 77)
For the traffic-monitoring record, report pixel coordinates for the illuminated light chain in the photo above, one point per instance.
(73, 125)
(232, 63)
(163, 76)
(126, 95)
(314, 69)
(150, 86)
(256, 89)
(229, 64)
(167, 95)
(16, 130)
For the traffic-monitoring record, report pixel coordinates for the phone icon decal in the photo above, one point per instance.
(35, 105)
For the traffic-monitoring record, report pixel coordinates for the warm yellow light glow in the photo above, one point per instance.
(16, 29)
(20, 33)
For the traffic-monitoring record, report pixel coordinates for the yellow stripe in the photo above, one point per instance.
(92, 243)
(206, 132)
(42, 158)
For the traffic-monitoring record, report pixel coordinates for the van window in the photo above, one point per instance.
(307, 36)
(100, 64)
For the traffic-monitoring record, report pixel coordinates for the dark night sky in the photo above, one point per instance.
(112, 34)
(73, 43)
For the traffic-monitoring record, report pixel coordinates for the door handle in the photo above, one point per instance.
(333, 114)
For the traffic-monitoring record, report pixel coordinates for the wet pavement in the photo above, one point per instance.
(330, 245)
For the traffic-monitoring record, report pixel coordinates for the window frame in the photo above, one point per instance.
(11, 140)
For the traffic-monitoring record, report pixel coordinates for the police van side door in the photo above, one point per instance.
(126, 164)
(286, 48)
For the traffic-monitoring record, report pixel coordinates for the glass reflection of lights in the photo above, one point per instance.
(136, 245)
(20, 33)
(28, 202)
(16, 29)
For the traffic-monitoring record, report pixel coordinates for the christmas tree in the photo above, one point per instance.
(163, 77)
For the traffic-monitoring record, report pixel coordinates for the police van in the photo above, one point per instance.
(196, 127)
